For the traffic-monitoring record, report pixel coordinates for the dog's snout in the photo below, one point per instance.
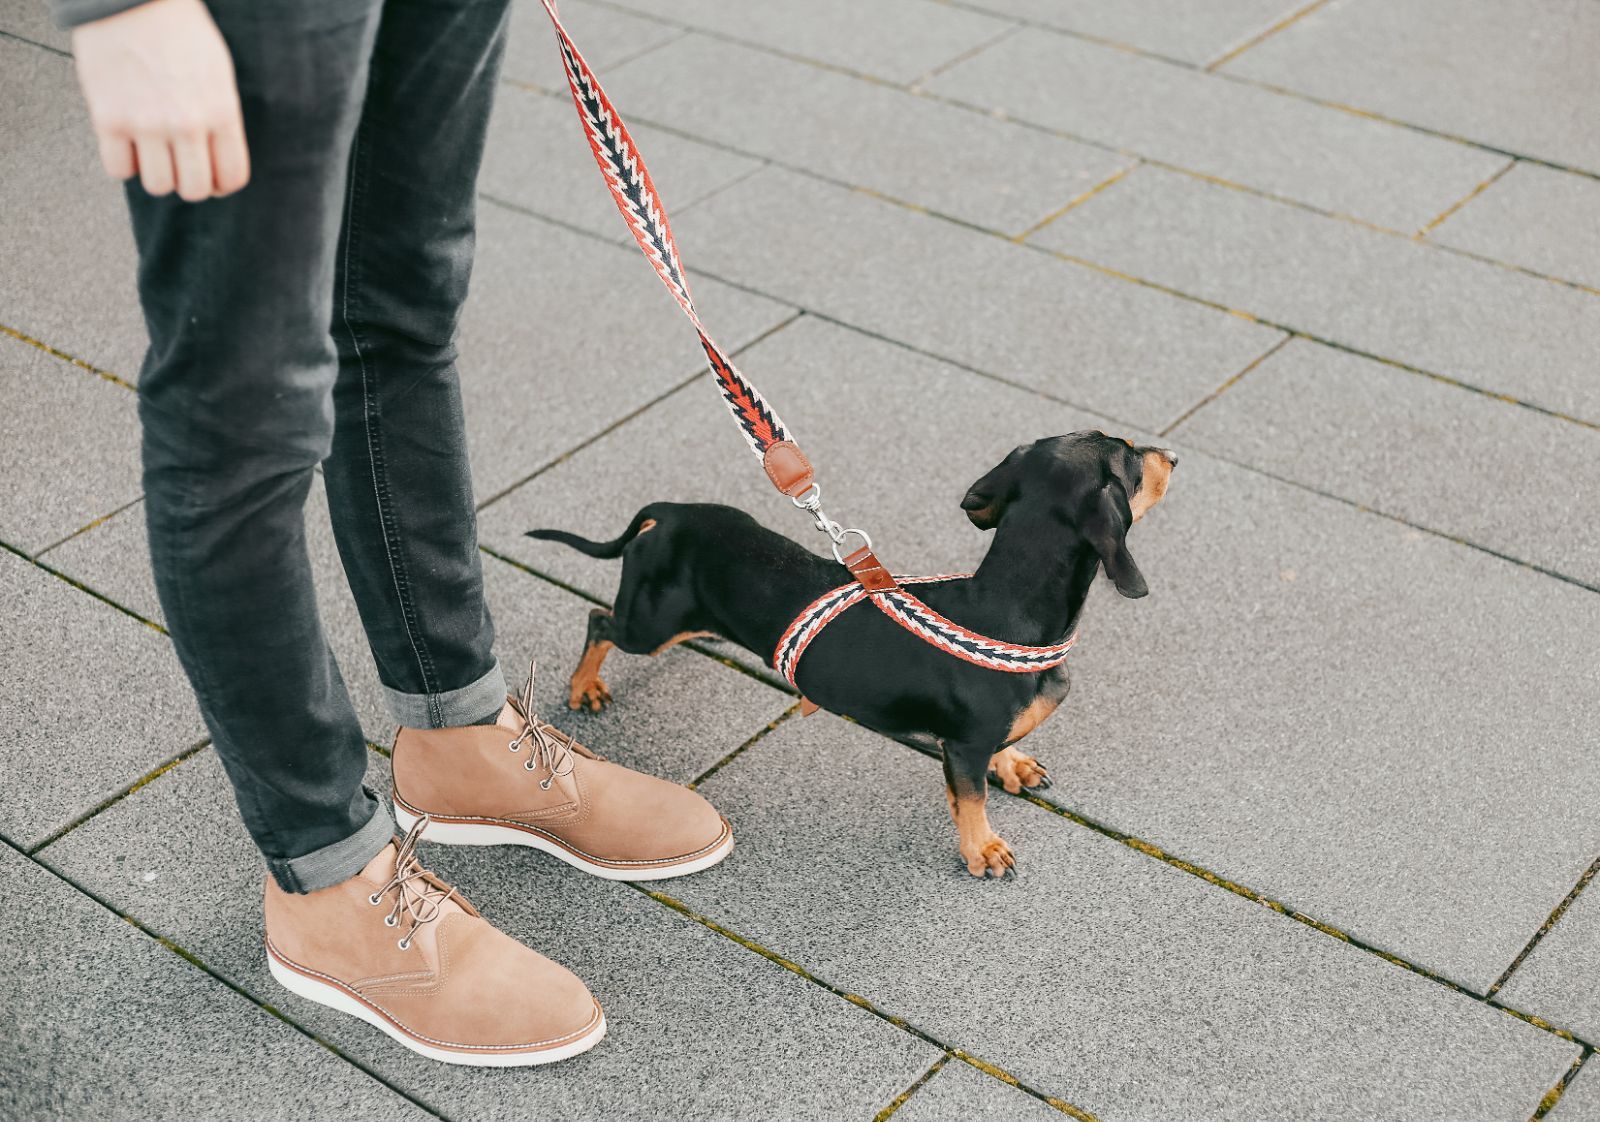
(1170, 456)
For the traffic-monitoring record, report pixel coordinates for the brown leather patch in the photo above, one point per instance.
(788, 468)
(866, 568)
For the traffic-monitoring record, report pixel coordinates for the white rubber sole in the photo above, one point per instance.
(335, 998)
(488, 833)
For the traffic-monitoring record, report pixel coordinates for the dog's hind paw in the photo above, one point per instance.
(992, 859)
(1016, 771)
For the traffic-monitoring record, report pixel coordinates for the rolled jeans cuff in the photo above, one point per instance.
(336, 863)
(453, 708)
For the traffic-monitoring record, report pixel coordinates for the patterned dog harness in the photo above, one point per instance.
(786, 466)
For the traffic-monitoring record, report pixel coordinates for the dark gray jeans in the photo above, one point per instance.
(311, 318)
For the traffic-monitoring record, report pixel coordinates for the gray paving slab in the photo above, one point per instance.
(563, 335)
(1104, 344)
(1335, 687)
(30, 20)
(896, 40)
(606, 36)
(69, 447)
(991, 173)
(1285, 146)
(1479, 323)
(1581, 1100)
(102, 1021)
(538, 158)
(1195, 33)
(93, 700)
(1147, 993)
(69, 275)
(1536, 217)
(960, 1092)
(699, 1026)
(1558, 980)
(1518, 75)
(1434, 454)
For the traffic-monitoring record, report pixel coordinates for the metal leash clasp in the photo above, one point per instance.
(811, 503)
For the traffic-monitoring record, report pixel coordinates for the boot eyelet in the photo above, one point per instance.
(390, 921)
(515, 746)
(528, 765)
(544, 784)
(404, 944)
(374, 900)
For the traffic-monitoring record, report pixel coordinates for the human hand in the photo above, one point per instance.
(162, 98)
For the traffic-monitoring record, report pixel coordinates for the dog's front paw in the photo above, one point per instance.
(992, 858)
(589, 693)
(1016, 771)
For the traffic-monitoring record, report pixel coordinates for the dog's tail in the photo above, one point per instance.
(606, 550)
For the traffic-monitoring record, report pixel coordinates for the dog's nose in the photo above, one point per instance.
(1172, 457)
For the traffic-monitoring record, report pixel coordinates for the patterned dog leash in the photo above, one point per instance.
(785, 464)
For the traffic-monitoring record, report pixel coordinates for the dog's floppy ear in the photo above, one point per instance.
(1107, 531)
(987, 498)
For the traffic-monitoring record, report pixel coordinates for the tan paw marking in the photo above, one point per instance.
(993, 858)
(1016, 771)
(591, 695)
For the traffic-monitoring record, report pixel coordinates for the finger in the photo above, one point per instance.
(116, 156)
(191, 159)
(155, 164)
(230, 159)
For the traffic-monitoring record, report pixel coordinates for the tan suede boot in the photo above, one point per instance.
(400, 949)
(523, 782)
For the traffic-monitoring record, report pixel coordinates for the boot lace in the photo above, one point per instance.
(418, 894)
(548, 747)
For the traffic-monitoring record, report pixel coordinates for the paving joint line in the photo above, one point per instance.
(15, 38)
(616, 63)
(1553, 1095)
(1083, 197)
(1263, 36)
(102, 520)
(766, 48)
(761, 734)
(1433, 223)
(81, 587)
(994, 1071)
(267, 1007)
(903, 1097)
(23, 337)
(1011, 28)
(1544, 928)
(106, 804)
(1227, 385)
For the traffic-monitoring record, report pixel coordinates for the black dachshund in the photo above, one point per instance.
(1060, 507)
